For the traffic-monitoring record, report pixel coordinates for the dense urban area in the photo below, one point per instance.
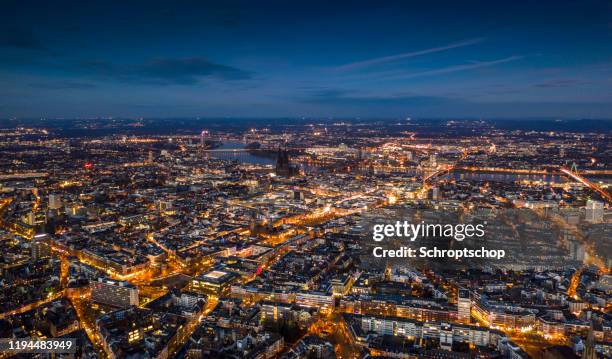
(250, 239)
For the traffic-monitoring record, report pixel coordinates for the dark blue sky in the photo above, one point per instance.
(307, 58)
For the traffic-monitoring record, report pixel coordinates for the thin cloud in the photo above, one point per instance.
(165, 71)
(385, 59)
(347, 98)
(63, 85)
(558, 83)
(458, 68)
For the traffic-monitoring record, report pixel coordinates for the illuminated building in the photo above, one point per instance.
(40, 249)
(506, 317)
(131, 220)
(122, 331)
(342, 285)
(213, 282)
(283, 166)
(189, 300)
(594, 211)
(203, 136)
(55, 201)
(99, 227)
(315, 299)
(445, 334)
(31, 219)
(434, 193)
(298, 195)
(275, 310)
(115, 293)
(577, 250)
(464, 305)
(551, 327)
(164, 205)
(589, 346)
(395, 305)
(279, 311)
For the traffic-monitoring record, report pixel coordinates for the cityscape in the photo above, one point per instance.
(249, 243)
(306, 179)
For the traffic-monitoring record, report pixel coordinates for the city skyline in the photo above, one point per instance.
(274, 59)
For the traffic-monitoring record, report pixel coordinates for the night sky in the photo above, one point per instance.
(484, 59)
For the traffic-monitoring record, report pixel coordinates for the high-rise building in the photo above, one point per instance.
(31, 219)
(283, 166)
(115, 293)
(164, 205)
(40, 249)
(298, 195)
(55, 201)
(576, 250)
(589, 346)
(203, 136)
(464, 305)
(594, 211)
(434, 193)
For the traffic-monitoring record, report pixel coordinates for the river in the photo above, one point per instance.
(245, 157)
